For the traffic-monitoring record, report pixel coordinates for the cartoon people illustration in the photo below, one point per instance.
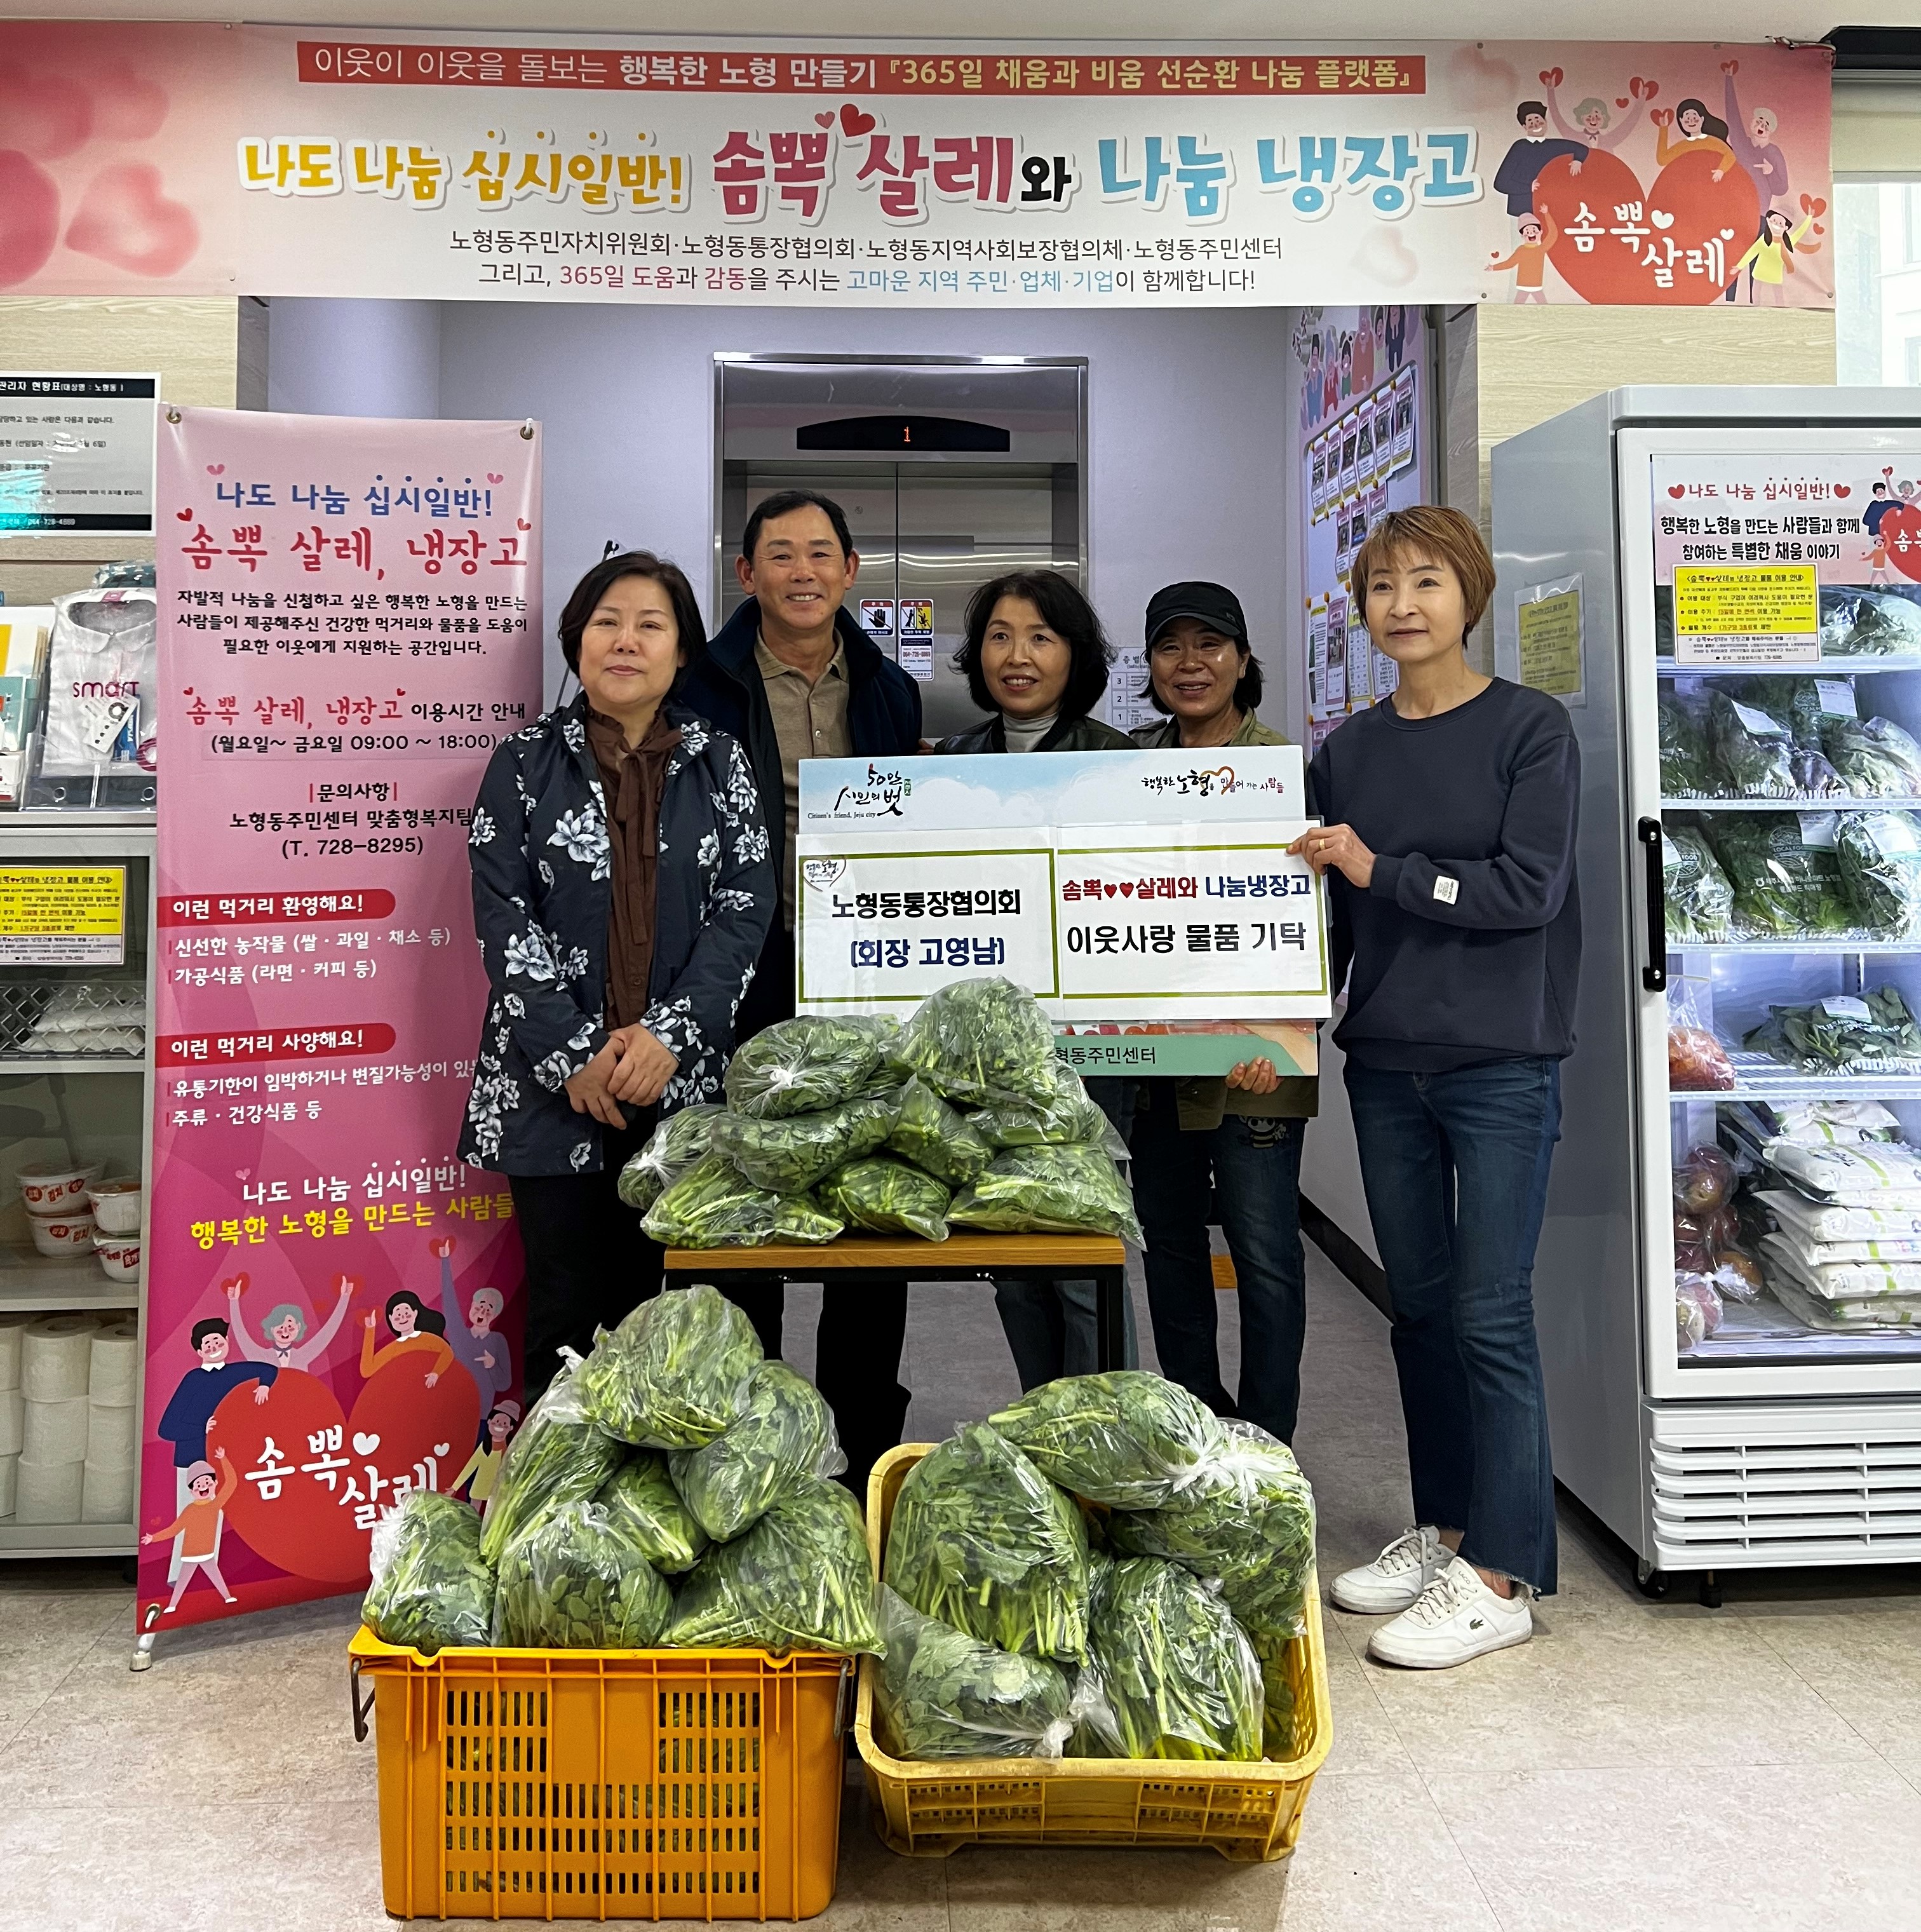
(1770, 259)
(189, 1413)
(1593, 124)
(1876, 555)
(476, 1346)
(1330, 380)
(1695, 131)
(1396, 337)
(198, 1526)
(483, 1467)
(416, 1327)
(1520, 166)
(1530, 259)
(1347, 388)
(1311, 388)
(1879, 504)
(1751, 138)
(288, 1345)
(1364, 355)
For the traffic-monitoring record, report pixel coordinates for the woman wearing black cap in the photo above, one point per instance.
(1235, 1141)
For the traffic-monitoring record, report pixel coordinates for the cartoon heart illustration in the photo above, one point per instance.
(521, 523)
(29, 217)
(1620, 100)
(495, 476)
(45, 115)
(1847, 490)
(1677, 489)
(241, 1173)
(1127, 888)
(365, 1445)
(125, 219)
(853, 122)
(822, 873)
(1901, 532)
(216, 469)
(185, 516)
(1692, 231)
(127, 106)
(823, 120)
(1108, 890)
(443, 1448)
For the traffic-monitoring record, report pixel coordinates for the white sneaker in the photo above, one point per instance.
(1394, 1580)
(1458, 1618)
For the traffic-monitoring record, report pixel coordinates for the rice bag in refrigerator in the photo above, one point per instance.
(1870, 1175)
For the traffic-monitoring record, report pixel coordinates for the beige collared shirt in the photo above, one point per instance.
(810, 721)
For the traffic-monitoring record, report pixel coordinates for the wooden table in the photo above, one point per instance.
(876, 1259)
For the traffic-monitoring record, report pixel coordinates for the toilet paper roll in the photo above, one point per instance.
(111, 1431)
(12, 1421)
(106, 1495)
(12, 1328)
(55, 1431)
(55, 1356)
(49, 1492)
(114, 1361)
(10, 1479)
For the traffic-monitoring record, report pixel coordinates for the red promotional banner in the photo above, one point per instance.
(349, 623)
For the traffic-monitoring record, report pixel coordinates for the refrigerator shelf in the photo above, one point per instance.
(1761, 946)
(1759, 1077)
(1823, 667)
(1790, 805)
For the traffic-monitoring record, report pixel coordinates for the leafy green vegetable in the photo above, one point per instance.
(1868, 623)
(803, 1066)
(1049, 1189)
(558, 1456)
(674, 1373)
(1128, 1437)
(945, 1694)
(1875, 757)
(1801, 703)
(1247, 1520)
(1837, 1034)
(1783, 887)
(713, 1206)
(1066, 1115)
(785, 1433)
(889, 1197)
(578, 1581)
(1686, 765)
(1700, 902)
(791, 1153)
(1176, 1676)
(1278, 1712)
(936, 1138)
(1881, 867)
(979, 1040)
(800, 1579)
(431, 1588)
(1753, 751)
(673, 1146)
(643, 1505)
(982, 1541)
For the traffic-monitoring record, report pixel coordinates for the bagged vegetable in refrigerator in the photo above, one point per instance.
(1703, 1181)
(1874, 756)
(1065, 1190)
(982, 1541)
(1753, 751)
(1066, 1114)
(1840, 1034)
(713, 1205)
(801, 1578)
(1127, 1437)
(643, 1505)
(1785, 876)
(783, 1435)
(674, 1147)
(790, 1153)
(936, 1138)
(1881, 867)
(803, 1065)
(1700, 901)
(1868, 623)
(1686, 763)
(980, 1040)
(579, 1580)
(889, 1197)
(558, 1456)
(1807, 706)
(676, 1372)
(431, 1587)
(1697, 1060)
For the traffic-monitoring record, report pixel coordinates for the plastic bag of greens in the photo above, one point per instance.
(792, 1153)
(801, 1578)
(713, 1205)
(936, 1138)
(1839, 1034)
(1128, 1437)
(1067, 1190)
(1875, 757)
(1174, 1675)
(946, 1694)
(982, 1541)
(979, 1040)
(674, 1373)
(1868, 623)
(889, 1197)
(785, 1434)
(1806, 705)
(1247, 1520)
(806, 1065)
(1700, 901)
(1785, 876)
(1067, 1114)
(680, 1141)
(578, 1581)
(643, 1505)
(1687, 767)
(431, 1585)
(1753, 750)
(559, 1456)
(1881, 867)
(1278, 1708)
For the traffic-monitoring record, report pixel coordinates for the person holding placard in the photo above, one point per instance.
(1234, 1142)
(1450, 813)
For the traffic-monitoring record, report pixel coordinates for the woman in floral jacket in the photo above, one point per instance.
(622, 889)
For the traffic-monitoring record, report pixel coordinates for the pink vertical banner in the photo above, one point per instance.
(349, 623)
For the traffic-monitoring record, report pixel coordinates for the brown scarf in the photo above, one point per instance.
(633, 777)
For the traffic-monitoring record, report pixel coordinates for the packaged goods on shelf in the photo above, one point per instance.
(56, 1356)
(113, 1361)
(1875, 757)
(12, 1334)
(1866, 1176)
(1880, 869)
(101, 680)
(1700, 901)
(1814, 1266)
(24, 629)
(1687, 769)
(1785, 875)
(112, 1434)
(1806, 705)
(55, 1431)
(50, 1492)
(1868, 623)
(1697, 1309)
(10, 1483)
(69, 1018)
(1842, 1034)
(12, 1421)
(1754, 755)
(1818, 1221)
(1887, 1312)
(106, 1491)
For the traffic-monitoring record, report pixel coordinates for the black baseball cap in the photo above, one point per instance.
(1213, 605)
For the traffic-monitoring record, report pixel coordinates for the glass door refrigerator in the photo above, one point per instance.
(1724, 586)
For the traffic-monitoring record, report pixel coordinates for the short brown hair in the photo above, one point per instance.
(1431, 531)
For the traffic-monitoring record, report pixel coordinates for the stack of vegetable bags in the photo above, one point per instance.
(964, 1116)
(1102, 1570)
(673, 1452)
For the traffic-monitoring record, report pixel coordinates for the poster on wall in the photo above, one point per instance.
(194, 159)
(77, 454)
(349, 624)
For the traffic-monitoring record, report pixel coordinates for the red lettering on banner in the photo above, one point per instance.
(245, 1049)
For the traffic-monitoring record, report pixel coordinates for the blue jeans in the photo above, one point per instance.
(1250, 1168)
(1456, 1166)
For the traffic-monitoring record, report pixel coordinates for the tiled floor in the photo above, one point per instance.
(1636, 1765)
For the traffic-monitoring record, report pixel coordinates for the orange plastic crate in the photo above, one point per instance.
(605, 1784)
(1249, 1811)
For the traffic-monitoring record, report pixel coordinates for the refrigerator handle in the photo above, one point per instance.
(1654, 970)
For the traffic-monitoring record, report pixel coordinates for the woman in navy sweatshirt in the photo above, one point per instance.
(1449, 849)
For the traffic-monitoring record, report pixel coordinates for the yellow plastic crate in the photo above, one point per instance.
(1250, 1811)
(605, 1784)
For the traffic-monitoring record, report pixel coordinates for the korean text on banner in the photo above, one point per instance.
(350, 623)
(1115, 886)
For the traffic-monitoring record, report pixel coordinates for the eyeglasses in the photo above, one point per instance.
(1168, 650)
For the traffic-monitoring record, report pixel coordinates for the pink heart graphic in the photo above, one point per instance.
(495, 476)
(45, 115)
(1677, 489)
(216, 469)
(1901, 532)
(1844, 489)
(127, 106)
(185, 516)
(853, 122)
(521, 523)
(125, 219)
(823, 120)
(29, 217)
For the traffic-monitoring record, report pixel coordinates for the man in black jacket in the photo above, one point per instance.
(792, 677)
